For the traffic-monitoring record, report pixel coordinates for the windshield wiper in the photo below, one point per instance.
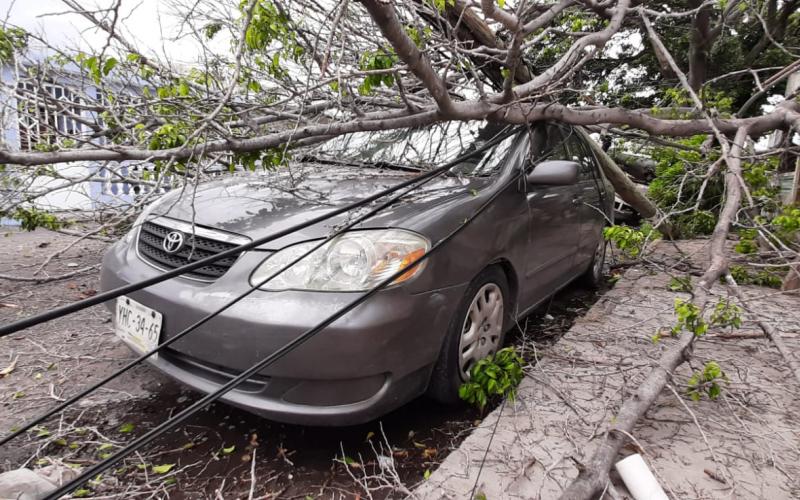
(355, 163)
(396, 166)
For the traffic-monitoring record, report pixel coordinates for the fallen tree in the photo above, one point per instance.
(295, 73)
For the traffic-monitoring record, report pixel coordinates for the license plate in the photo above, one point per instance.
(137, 325)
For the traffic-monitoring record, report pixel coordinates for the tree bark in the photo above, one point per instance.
(625, 188)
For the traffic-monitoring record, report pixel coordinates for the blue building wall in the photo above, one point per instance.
(100, 194)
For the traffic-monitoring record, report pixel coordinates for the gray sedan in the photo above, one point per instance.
(420, 335)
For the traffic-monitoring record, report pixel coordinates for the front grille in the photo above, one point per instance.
(195, 247)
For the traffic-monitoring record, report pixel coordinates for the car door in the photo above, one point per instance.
(588, 198)
(553, 220)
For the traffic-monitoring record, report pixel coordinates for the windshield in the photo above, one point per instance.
(421, 148)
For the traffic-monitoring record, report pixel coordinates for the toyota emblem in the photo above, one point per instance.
(173, 242)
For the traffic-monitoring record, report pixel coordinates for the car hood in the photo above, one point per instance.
(257, 205)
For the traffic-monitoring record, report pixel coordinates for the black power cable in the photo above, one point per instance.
(154, 433)
(62, 406)
(132, 287)
(420, 181)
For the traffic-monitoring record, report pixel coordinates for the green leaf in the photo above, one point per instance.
(230, 449)
(105, 446)
(183, 89)
(109, 65)
(81, 493)
(427, 474)
(126, 428)
(162, 469)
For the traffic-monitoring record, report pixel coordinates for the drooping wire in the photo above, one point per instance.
(154, 433)
(418, 182)
(73, 399)
(486, 451)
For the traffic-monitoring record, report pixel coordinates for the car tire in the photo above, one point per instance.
(487, 337)
(593, 277)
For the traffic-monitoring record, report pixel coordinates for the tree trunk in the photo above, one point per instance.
(625, 188)
(699, 45)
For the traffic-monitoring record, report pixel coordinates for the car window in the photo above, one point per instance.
(556, 144)
(581, 154)
(547, 142)
(563, 143)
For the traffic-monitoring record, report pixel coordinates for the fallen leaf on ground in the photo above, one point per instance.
(162, 469)
(10, 306)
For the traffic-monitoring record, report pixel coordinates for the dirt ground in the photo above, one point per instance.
(222, 451)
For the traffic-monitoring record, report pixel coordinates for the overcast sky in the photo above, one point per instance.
(148, 23)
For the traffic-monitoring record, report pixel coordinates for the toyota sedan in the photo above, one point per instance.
(420, 335)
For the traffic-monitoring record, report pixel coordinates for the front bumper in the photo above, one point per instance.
(372, 360)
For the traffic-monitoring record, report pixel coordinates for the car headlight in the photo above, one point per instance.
(353, 261)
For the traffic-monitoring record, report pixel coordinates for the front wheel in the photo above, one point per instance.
(476, 331)
(593, 277)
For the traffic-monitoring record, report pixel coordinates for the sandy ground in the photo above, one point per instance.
(745, 444)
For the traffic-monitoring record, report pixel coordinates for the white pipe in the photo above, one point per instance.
(641, 483)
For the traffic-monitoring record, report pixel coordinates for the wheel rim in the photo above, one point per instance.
(482, 328)
(599, 258)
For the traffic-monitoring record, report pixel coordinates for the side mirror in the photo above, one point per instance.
(554, 173)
